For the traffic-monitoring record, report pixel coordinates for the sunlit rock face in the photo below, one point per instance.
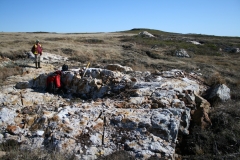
(145, 33)
(220, 92)
(181, 53)
(104, 110)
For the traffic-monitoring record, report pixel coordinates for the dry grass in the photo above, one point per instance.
(215, 79)
(221, 140)
(126, 48)
(6, 72)
(12, 151)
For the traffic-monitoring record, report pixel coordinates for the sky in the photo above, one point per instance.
(209, 17)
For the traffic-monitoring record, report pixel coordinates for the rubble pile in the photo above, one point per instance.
(104, 110)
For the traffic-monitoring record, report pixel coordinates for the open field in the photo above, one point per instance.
(212, 59)
(140, 53)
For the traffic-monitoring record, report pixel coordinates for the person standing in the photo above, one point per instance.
(37, 51)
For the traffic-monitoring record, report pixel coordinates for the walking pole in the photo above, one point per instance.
(86, 69)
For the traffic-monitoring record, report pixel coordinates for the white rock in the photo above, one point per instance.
(40, 132)
(145, 33)
(221, 92)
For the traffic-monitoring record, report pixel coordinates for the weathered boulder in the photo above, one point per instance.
(195, 42)
(52, 58)
(232, 49)
(181, 53)
(118, 67)
(30, 55)
(220, 92)
(145, 33)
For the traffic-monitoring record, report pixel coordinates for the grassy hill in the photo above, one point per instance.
(215, 57)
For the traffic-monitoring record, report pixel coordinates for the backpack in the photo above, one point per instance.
(64, 67)
(51, 87)
(54, 82)
(33, 49)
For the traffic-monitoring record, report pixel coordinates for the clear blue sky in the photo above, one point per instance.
(211, 17)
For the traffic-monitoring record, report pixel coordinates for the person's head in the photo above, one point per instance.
(37, 41)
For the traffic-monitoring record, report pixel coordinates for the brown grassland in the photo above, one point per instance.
(220, 141)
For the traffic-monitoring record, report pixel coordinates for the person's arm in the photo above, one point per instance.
(41, 49)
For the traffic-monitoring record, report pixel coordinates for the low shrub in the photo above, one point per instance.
(215, 79)
(68, 51)
(222, 139)
(11, 71)
(91, 41)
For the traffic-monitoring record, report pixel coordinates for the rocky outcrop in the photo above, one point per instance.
(104, 110)
(146, 34)
(46, 57)
(231, 49)
(118, 67)
(195, 42)
(181, 53)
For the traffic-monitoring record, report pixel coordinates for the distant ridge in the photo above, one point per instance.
(40, 32)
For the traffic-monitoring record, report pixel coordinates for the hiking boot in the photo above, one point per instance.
(39, 65)
(36, 65)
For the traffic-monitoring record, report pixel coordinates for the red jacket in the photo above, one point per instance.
(37, 49)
